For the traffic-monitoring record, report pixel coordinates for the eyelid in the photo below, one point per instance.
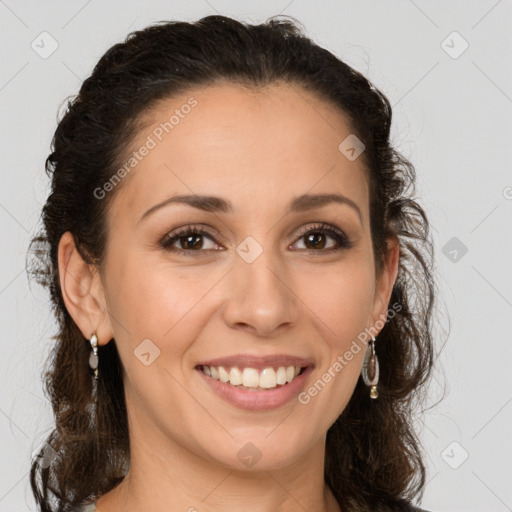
(200, 229)
(338, 235)
(343, 240)
(320, 226)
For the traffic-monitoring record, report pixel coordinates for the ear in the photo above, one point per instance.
(83, 292)
(384, 283)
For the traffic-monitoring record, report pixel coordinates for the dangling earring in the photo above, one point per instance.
(93, 363)
(370, 369)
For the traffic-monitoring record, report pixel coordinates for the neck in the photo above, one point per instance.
(165, 475)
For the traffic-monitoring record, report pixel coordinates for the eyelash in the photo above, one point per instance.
(337, 235)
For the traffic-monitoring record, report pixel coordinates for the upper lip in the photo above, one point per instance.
(258, 362)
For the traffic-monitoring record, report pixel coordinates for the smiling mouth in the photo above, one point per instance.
(253, 379)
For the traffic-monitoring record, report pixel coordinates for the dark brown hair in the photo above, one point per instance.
(373, 456)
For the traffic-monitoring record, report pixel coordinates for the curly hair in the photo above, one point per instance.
(373, 457)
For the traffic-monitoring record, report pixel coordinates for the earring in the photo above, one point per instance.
(370, 369)
(93, 363)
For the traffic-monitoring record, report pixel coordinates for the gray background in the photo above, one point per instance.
(452, 118)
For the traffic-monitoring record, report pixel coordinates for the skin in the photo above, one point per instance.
(258, 150)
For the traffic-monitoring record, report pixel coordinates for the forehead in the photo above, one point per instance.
(226, 140)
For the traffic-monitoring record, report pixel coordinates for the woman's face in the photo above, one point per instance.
(256, 277)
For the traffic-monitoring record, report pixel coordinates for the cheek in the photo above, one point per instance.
(342, 302)
(152, 301)
(341, 298)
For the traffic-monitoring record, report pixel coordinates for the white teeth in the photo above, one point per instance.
(250, 378)
(281, 375)
(235, 377)
(223, 374)
(268, 378)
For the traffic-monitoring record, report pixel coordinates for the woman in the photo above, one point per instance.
(233, 254)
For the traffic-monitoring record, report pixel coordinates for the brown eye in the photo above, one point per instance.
(189, 239)
(316, 239)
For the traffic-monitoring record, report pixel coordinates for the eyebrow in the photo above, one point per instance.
(214, 204)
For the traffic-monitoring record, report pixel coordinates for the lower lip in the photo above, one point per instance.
(258, 400)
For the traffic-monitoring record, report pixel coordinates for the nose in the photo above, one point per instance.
(260, 297)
